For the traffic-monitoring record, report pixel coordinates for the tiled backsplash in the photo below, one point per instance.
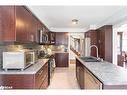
(46, 48)
(2, 48)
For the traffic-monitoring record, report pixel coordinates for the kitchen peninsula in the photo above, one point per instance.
(100, 75)
(33, 77)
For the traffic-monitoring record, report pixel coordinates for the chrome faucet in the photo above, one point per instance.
(96, 49)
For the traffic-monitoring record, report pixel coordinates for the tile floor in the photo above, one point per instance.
(64, 78)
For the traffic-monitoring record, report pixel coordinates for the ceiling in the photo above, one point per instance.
(58, 18)
(79, 35)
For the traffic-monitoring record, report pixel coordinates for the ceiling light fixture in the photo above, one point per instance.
(74, 21)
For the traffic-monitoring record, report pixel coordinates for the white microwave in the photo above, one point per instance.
(18, 60)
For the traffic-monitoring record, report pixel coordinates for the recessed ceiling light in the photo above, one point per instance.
(74, 21)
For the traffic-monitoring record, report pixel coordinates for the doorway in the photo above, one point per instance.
(122, 47)
(76, 45)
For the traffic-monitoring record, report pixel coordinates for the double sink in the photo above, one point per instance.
(91, 59)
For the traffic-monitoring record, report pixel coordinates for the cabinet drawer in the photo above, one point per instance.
(40, 75)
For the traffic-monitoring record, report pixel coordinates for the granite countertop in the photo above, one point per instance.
(58, 52)
(30, 70)
(107, 73)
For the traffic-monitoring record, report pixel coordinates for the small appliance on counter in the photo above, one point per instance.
(18, 59)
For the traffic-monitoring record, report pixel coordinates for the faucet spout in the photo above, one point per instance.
(96, 49)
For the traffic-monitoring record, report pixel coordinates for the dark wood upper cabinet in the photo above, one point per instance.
(7, 23)
(26, 25)
(61, 38)
(22, 24)
(52, 38)
(92, 34)
(18, 24)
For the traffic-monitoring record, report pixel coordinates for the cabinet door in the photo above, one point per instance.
(32, 36)
(52, 37)
(93, 41)
(41, 77)
(87, 34)
(23, 24)
(91, 82)
(45, 83)
(61, 59)
(81, 77)
(7, 23)
(77, 69)
(61, 38)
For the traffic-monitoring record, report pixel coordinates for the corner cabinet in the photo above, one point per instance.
(23, 24)
(92, 34)
(38, 80)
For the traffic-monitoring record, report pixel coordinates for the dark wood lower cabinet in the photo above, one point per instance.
(81, 77)
(80, 74)
(62, 59)
(26, 81)
(41, 77)
(17, 81)
(90, 81)
(85, 78)
(44, 85)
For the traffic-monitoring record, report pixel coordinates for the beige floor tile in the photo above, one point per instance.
(64, 78)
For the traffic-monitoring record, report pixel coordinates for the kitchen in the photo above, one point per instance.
(33, 56)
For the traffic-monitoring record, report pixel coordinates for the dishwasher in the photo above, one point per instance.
(51, 68)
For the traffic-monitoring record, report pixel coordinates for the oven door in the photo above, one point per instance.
(29, 58)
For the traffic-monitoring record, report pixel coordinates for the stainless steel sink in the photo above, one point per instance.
(90, 59)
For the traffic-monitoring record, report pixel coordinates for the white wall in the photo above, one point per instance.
(87, 45)
(114, 48)
(122, 26)
(68, 29)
